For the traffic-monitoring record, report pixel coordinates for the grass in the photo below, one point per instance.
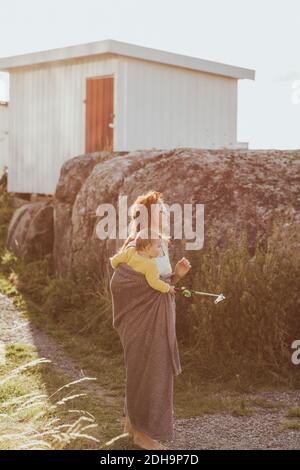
(244, 342)
(291, 423)
(238, 346)
(35, 411)
(40, 408)
(196, 401)
(247, 338)
(293, 420)
(266, 404)
(295, 426)
(293, 412)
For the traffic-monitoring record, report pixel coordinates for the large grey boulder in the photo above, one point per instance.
(244, 189)
(30, 233)
(73, 174)
(239, 188)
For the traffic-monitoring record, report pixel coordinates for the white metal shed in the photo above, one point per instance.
(3, 136)
(110, 94)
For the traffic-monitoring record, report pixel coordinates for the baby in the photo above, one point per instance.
(141, 258)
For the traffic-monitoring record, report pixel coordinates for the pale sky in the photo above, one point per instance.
(263, 35)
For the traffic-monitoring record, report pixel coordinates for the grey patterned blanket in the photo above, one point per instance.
(145, 320)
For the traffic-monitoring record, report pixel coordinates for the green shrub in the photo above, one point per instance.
(246, 338)
(31, 278)
(250, 332)
(82, 304)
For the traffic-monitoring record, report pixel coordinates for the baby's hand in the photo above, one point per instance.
(172, 290)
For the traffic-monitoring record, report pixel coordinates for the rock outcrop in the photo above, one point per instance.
(30, 232)
(240, 188)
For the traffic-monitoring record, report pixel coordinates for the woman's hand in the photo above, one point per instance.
(172, 290)
(181, 269)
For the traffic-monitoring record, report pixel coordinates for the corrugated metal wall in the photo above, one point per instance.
(4, 111)
(47, 125)
(173, 107)
(155, 105)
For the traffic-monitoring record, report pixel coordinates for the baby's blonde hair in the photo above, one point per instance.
(145, 237)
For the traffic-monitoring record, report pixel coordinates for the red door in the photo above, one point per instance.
(99, 114)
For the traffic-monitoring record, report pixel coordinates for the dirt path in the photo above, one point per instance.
(260, 430)
(15, 328)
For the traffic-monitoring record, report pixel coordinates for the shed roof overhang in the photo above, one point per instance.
(110, 46)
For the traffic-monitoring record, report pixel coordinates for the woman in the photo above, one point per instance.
(145, 321)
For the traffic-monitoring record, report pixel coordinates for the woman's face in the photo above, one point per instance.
(157, 222)
(161, 221)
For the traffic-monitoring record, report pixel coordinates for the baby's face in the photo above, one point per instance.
(155, 249)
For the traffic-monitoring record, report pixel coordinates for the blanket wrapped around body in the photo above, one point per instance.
(145, 320)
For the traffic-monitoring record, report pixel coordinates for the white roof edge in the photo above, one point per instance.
(125, 49)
